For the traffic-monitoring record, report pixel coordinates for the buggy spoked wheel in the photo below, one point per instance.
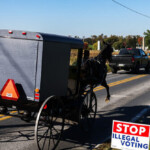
(49, 124)
(88, 111)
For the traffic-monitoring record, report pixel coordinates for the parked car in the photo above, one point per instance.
(130, 59)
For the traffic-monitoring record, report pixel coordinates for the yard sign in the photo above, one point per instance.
(130, 136)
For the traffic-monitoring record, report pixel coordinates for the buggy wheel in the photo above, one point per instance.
(88, 111)
(49, 124)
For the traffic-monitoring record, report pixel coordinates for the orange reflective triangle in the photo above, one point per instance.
(10, 91)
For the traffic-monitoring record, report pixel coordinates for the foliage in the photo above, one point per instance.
(95, 46)
(147, 38)
(108, 68)
(88, 40)
(118, 42)
(86, 45)
(140, 39)
(131, 41)
(90, 47)
(112, 39)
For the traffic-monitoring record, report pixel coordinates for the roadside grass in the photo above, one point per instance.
(105, 146)
(93, 53)
(115, 53)
(74, 53)
(108, 68)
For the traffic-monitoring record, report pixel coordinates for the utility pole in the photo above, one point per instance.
(98, 45)
(143, 43)
(83, 38)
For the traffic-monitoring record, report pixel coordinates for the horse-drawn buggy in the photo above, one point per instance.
(44, 75)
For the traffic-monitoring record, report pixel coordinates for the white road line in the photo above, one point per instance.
(139, 115)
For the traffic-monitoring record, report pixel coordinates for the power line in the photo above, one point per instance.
(131, 9)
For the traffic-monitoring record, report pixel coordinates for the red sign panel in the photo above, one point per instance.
(131, 129)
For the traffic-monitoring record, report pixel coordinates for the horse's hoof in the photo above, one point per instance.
(107, 100)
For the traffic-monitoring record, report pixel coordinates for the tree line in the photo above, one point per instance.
(118, 42)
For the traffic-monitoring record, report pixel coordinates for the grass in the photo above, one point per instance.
(108, 68)
(74, 52)
(93, 53)
(105, 146)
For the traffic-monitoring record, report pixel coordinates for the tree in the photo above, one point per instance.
(100, 37)
(94, 39)
(86, 45)
(112, 39)
(131, 41)
(119, 44)
(140, 41)
(147, 38)
(95, 46)
(88, 40)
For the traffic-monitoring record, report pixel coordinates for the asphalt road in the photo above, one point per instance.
(129, 96)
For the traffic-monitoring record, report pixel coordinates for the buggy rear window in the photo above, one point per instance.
(129, 52)
(73, 57)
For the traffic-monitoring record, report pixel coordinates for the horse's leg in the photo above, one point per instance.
(104, 83)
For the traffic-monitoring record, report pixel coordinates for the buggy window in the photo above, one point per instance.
(73, 57)
(73, 71)
(129, 52)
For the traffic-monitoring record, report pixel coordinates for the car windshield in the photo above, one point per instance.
(129, 52)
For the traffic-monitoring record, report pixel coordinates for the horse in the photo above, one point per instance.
(95, 69)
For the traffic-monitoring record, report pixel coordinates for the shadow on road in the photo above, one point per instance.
(18, 133)
(74, 137)
(102, 127)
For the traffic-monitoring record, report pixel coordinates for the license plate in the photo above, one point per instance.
(121, 65)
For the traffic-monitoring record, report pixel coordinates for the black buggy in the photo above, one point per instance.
(41, 74)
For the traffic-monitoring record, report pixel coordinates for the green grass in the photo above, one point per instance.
(108, 68)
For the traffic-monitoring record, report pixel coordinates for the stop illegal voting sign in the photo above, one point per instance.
(130, 136)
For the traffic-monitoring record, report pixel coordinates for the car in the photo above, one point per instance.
(130, 59)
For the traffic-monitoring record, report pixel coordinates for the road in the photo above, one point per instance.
(129, 96)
